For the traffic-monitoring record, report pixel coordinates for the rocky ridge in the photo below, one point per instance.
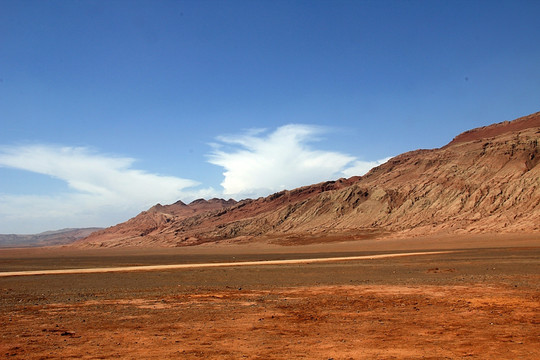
(152, 222)
(485, 180)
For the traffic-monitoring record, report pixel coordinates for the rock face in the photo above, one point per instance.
(485, 180)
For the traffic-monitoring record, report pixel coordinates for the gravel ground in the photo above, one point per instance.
(474, 303)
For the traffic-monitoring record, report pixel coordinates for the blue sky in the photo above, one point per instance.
(108, 107)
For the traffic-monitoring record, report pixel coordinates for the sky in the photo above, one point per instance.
(109, 107)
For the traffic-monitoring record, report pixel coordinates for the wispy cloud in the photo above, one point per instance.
(103, 189)
(259, 162)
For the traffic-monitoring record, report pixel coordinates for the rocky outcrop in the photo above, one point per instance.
(485, 180)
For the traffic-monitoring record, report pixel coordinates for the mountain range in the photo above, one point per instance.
(47, 238)
(486, 180)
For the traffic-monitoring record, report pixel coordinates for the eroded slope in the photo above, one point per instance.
(485, 180)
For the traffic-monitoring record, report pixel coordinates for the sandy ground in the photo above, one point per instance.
(475, 303)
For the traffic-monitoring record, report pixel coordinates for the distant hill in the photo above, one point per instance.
(487, 180)
(48, 238)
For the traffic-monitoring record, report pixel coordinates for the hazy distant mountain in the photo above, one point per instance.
(485, 180)
(48, 238)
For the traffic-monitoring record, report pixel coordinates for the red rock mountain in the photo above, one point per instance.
(485, 180)
(143, 227)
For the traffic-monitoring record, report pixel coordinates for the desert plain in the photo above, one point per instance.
(464, 296)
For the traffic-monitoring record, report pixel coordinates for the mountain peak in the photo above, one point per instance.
(522, 123)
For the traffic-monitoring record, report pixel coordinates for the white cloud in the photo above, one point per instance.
(259, 163)
(360, 167)
(104, 189)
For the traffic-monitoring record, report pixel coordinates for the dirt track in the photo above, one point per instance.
(209, 265)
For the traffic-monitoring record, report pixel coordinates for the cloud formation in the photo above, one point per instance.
(258, 163)
(103, 189)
